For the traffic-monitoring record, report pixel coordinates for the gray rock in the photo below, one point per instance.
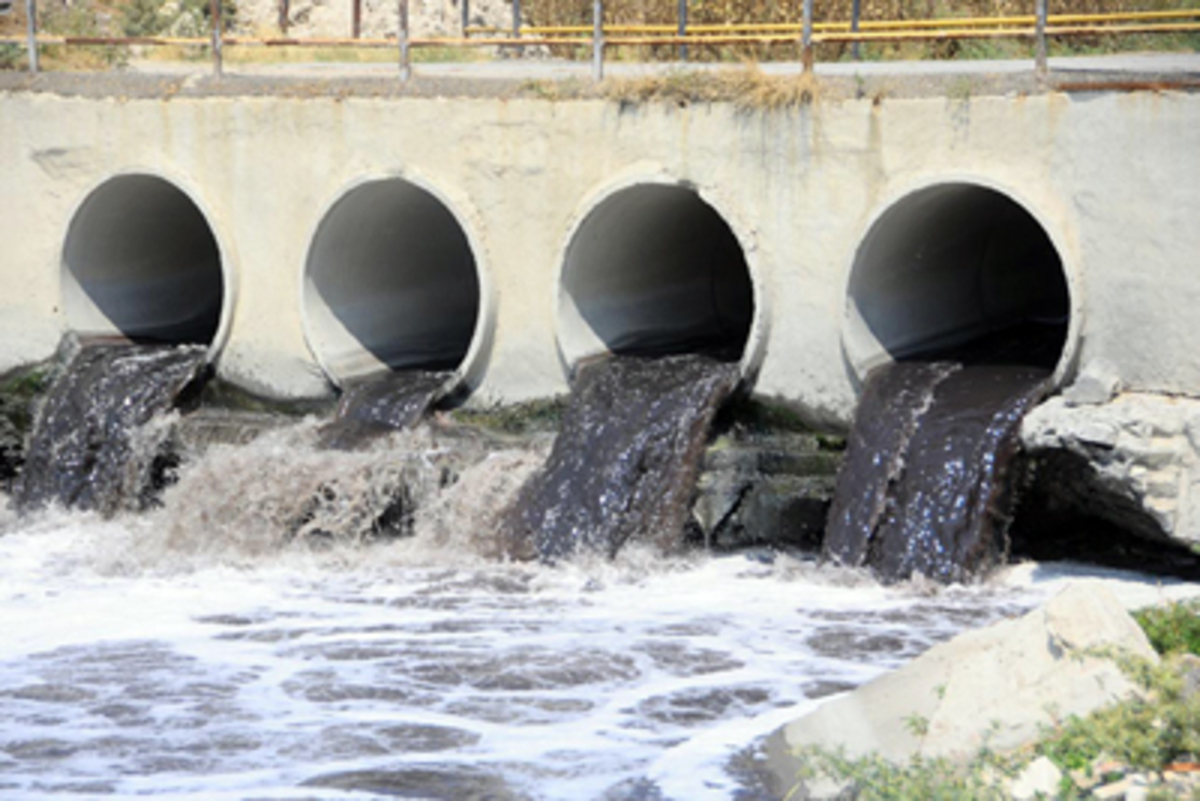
(994, 687)
(1098, 384)
(1040, 778)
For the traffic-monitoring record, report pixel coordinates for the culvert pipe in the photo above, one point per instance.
(653, 269)
(392, 282)
(952, 264)
(141, 262)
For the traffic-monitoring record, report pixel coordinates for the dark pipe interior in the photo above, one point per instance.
(141, 262)
(962, 268)
(655, 270)
(393, 267)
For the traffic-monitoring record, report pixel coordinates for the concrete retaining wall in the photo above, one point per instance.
(1112, 179)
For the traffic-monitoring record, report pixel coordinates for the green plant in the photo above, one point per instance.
(873, 778)
(11, 56)
(81, 19)
(520, 418)
(1173, 628)
(185, 18)
(917, 725)
(1146, 732)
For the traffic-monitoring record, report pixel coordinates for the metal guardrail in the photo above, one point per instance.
(1038, 27)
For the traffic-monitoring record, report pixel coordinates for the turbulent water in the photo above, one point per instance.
(91, 446)
(626, 458)
(255, 637)
(138, 661)
(925, 486)
(381, 404)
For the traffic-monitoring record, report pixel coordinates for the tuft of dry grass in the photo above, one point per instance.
(747, 87)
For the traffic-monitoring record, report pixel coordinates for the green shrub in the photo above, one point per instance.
(873, 778)
(1146, 732)
(184, 18)
(1174, 628)
(11, 56)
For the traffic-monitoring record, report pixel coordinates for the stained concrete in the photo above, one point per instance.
(1109, 177)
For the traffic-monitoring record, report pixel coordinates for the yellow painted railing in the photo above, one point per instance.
(808, 33)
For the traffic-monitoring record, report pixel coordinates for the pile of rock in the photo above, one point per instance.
(997, 689)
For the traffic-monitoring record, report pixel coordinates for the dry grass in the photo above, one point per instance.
(746, 87)
(711, 12)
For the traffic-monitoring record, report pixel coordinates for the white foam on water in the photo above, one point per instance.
(359, 665)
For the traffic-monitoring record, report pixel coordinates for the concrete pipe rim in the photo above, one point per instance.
(861, 351)
(575, 349)
(466, 376)
(226, 261)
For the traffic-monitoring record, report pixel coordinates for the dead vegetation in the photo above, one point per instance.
(747, 87)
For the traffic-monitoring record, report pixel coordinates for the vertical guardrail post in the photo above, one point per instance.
(466, 17)
(683, 11)
(1040, 45)
(402, 39)
(597, 40)
(284, 13)
(806, 44)
(516, 25)
(855, 18)
(355, 18)
(31, 34)
(214, 11)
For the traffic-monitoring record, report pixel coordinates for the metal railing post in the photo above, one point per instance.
(855, 18)
(284, 13)
(597, 40)
(466, 17)
(683, 14)
(516, 25)
(31, 28)
(402, 39)
(355, 19)
(214, 11)
(806, 44)
(1040, 46)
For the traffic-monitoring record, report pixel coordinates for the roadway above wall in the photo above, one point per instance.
(555, 79)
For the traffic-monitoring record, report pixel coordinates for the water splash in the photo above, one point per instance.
(625, 462)
(925, 487)
(93, 445)
(380, 405)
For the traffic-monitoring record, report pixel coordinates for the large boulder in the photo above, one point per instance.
(996, 687)
(1132, 460)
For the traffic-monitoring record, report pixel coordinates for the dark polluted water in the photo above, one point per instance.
(926, 485)
(380, 405)
(91, 446)
(626, 458)
(207, 649)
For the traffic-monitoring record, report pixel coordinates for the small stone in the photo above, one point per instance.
(1113, 791)
(1163, 485)
(1095, 432)
(1084, 779)
(1040, 777)
(1096, 386)
(1139, 788)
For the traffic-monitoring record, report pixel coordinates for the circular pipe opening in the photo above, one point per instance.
(654, 270)
(142, 263)
(961, 270)
(392, 283)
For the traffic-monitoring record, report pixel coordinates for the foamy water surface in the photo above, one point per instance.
(134, 662)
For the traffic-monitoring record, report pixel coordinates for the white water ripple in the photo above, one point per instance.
(400, 670)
